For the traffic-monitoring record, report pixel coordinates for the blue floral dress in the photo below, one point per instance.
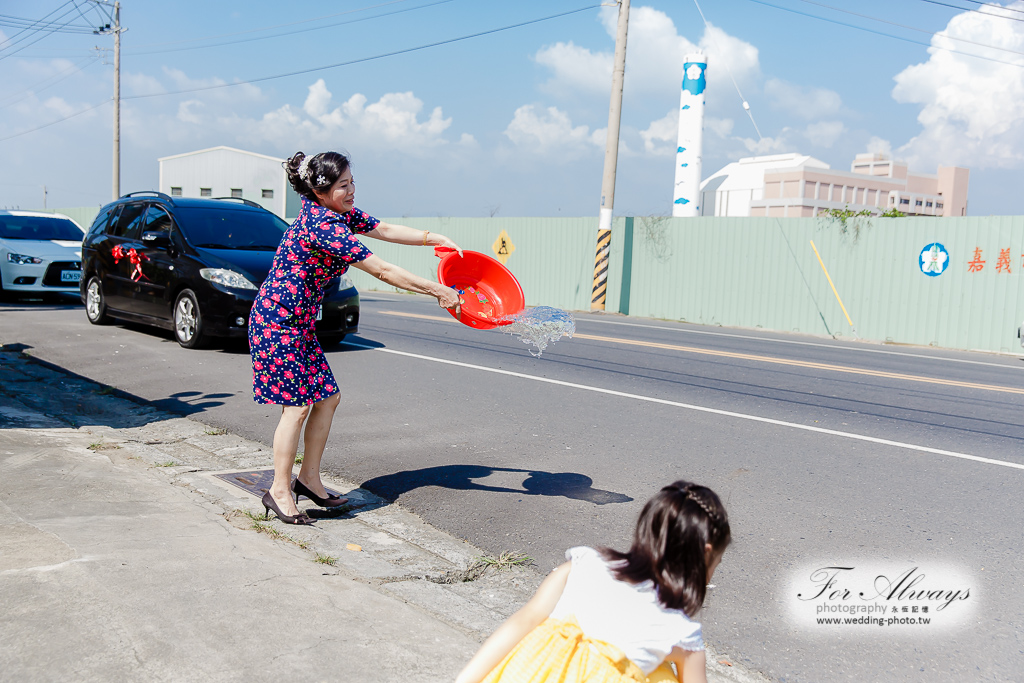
(289, 367)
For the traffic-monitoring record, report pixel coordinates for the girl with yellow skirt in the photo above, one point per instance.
(611, 617)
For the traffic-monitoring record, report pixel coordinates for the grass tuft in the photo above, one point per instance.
(262, 524)
(298, 458)
(216, 431)
(169, 463)
(506, 561)
(325, 559)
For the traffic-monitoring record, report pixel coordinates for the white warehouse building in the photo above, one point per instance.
(228, 172)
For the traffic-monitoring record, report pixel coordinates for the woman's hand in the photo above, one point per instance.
(449, 298)
(442, 241)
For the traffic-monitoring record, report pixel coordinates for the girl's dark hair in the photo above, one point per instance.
(668, 546)
(323, 170)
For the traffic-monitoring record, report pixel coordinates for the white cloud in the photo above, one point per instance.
(665, 131)
(880, 146)
(720, 127)
(59, 105)
(824, 133)
(392, 122)
(970, 108)
(551, 132)
(141, 84)
(187, 113)
(654, 58)
(577, 66)
(805, 102)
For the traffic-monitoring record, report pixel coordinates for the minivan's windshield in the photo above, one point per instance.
(231, 228)
(39, 228)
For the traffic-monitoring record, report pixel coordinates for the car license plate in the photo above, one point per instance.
(70, 275)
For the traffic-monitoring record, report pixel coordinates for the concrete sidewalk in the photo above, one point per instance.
(122, 557)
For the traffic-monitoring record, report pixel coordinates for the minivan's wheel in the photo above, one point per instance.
(188, 321)
(95, 304)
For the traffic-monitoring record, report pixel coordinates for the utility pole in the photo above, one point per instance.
(611, 157)
(117, 100)
(116, 30)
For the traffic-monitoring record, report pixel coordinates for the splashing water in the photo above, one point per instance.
(540, 326)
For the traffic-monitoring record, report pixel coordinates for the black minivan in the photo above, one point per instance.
(193, 266)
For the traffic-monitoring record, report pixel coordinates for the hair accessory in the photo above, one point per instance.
(320, 180)
(304, 168)
(703, 506)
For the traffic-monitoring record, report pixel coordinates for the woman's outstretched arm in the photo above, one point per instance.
(403, 279)
(403, 234)
(516, 627)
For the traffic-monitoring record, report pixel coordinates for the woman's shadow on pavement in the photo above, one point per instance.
(460, 477)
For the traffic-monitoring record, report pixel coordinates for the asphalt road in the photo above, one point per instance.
(826, 453)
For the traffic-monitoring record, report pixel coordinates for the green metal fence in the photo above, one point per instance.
(762, 272)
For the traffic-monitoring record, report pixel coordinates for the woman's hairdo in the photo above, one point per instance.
(670, 541)
(316, 173)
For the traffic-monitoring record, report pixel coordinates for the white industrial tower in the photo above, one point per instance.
(686, 198)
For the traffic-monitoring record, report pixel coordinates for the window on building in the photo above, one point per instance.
(236, 192)
(927, 203)
(205, 192)
(268, 194)
(918, 203)
(905, 202)
(175, 191)
(938, 205)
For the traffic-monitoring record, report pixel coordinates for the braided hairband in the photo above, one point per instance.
(690, 494)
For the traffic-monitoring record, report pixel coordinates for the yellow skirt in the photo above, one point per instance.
(558, 652)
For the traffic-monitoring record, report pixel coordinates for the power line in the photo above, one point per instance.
(978, 11)
(14, 40)
(271, 28)
(51, 123)
(301, 30)
(320, 68)
(365, 59)
(912, 28)
(49, 82)
(887, 35)
(746, 105)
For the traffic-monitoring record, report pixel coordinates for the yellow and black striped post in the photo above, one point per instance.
(600, 290)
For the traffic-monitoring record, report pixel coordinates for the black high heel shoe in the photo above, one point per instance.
(270, 504)
(331, 501)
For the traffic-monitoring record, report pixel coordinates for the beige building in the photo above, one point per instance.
(791, 185)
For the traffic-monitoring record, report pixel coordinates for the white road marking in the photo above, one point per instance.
(703, 409)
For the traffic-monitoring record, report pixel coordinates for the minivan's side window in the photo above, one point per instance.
(127, 223)
(100, 223)
(157, 220)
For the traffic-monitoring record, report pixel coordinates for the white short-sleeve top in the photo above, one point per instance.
(628, 616)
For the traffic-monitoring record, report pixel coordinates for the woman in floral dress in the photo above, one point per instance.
(289, 367)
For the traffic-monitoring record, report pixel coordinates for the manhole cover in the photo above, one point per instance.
(256, 482)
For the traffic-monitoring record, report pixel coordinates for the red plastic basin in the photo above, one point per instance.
(489, 291)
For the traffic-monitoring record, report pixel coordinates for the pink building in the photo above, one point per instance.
(803, 186)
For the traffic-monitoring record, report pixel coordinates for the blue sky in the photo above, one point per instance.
(512, 123)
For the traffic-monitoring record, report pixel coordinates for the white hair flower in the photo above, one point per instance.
(304, 168)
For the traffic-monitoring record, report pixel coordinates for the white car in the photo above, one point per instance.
(39, 252)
